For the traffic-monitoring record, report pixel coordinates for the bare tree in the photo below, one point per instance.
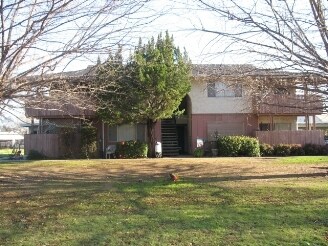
(40, 38)
(278, 35)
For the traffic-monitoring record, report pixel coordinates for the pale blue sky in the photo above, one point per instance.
(178, 17)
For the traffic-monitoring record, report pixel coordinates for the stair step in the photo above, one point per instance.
(169, 138)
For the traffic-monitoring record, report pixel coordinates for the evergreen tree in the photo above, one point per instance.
(149, 87)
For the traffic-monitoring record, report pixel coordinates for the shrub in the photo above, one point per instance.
(238, 146)
(228, 146)
(249, 147)
(315, 149)
(266, 150)
(35, 155)
(324, 150)
(131, 149)
(88, 142)
(68, 137)
(296, 150)
(199, 152)
(281, 150)
(311, 149)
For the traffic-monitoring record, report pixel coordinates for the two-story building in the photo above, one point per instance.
(223, 101)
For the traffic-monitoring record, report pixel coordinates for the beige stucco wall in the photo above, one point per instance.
(202, 104)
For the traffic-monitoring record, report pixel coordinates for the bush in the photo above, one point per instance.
(296, 150)
(249, 147)
(281, 150)
(266, 150)
(315, 149)
(88, 142)
(238, 146)
(293, 150)
(324, 149)
(228, 146)
(131, 149)
(68, 137)
(35, 155)
(199, 152)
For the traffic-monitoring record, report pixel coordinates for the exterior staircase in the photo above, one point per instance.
(170, 145)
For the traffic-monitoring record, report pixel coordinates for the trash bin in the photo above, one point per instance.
(158, 149)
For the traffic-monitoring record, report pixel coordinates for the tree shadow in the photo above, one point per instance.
(74, 192)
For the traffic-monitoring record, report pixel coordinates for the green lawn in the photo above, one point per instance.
(6, 153)
(216, 201)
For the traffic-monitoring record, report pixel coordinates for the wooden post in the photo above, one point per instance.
(307, 124)
(313, 122)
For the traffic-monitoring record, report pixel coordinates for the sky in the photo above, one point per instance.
(179, 17)
(174, 17)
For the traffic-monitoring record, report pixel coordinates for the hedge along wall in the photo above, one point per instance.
(238, 146)
(293, 149)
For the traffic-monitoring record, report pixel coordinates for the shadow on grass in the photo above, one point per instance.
(121, 210)
(140, 207)
(27, 173)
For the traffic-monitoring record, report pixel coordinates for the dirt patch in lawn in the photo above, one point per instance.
(219, 169)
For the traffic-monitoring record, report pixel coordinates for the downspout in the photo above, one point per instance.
(40, 126)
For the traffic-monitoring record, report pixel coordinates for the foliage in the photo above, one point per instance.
(238, 146)
(131, 149)
(199, 152)
(35, 155)
(228, 146)
(148, 87)
(266, 149)
(88, 141)
(293, 150)
(314, 149)
(38, 37)
(281, 150)
(296, 150)
(249, 146)
(68, 135)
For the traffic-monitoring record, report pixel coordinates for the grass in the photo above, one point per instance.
(304, 160)
(217, 201)
(6, 153)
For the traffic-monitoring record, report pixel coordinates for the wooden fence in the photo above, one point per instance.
(47, 144)
(291, 137)
(52, 145)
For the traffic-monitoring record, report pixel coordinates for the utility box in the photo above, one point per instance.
(158, 149)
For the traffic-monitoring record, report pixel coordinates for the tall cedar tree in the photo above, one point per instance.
(149, 87)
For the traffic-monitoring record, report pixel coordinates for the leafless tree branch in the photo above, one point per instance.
(39, 38)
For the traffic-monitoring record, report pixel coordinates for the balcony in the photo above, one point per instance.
(289, 105)
(291, 137)
(63, 111)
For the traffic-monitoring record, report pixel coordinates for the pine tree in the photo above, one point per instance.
(150, 86)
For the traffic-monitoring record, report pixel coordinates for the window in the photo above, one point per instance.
(282, 126)
(127, 132)
(264, 126)
(281, 91)
(219, 89)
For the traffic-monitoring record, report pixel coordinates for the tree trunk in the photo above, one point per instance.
(150, 137)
